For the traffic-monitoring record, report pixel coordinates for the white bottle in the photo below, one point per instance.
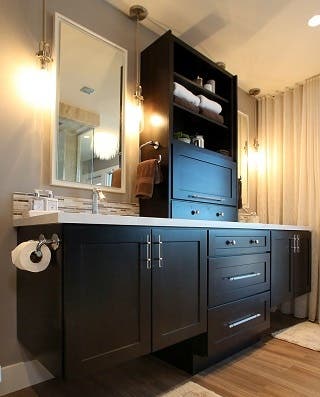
(50, 203)
(37, 202)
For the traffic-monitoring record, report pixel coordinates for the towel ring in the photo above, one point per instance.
(155, 145)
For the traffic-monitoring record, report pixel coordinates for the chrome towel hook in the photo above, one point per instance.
(154, 144)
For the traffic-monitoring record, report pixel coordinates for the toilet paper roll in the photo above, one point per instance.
(21, 257)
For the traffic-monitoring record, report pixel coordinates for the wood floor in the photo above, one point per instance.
(271, 368)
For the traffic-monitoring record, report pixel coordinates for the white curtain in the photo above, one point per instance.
(288, 185)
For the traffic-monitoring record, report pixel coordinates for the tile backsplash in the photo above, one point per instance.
(21, 204)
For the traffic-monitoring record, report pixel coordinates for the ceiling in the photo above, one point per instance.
(267, 43)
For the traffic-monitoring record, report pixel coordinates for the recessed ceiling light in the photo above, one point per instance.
(314, 21)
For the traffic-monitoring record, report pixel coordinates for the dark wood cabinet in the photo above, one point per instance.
(202, 175)
(190, 295)
(107, 303)
(290, 265)
(112, 293)
(179, 282)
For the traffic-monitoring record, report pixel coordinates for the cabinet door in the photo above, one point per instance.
(201, 175)
(302, 264)
(107, 296)
(281, 270)
(179, 285)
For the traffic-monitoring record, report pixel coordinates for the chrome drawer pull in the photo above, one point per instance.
(254, 241)
(198, 196)
(231, 242)
(220, 214)
(244, 320)
(241, 277)
(148, 252)
(195, 212)
(160, 259)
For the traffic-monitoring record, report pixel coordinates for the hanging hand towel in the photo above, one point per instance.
(116, 178)
(148, 174)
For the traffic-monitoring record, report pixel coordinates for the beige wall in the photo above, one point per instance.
(24, 131)
(247, 105)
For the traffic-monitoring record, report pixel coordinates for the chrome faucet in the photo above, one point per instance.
(97, 195)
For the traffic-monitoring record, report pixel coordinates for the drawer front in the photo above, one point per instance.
(227, 322)
(204, 211)
(236, 277)
(238, 241)
(201, 175)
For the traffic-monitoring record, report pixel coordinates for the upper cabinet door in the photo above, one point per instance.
(107, 296)
(179, 285)
(201, 175)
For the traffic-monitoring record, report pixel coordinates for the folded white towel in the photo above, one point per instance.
(206, 103)
(181, 92)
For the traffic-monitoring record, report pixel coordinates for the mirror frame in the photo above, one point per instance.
(58, 18)
(244, 186)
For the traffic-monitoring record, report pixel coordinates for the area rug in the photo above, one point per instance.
(306, 334)
(190, 389)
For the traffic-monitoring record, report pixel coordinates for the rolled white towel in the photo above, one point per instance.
(206, 103)
(181, 92)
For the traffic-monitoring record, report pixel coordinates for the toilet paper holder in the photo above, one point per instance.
(54, 242)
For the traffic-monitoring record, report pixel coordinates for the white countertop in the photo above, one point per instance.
(97, 219)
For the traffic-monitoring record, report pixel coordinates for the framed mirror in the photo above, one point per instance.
(243, 151)
(88, 123)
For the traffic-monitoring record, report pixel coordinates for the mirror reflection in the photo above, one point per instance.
(243, 150)
(90, 100)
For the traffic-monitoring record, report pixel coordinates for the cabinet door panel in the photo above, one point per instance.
(302, 264)
(179, 285)
(281, 271)
(107, 299)
(200, 175)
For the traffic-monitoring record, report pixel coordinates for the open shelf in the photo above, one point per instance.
(198, 90)
(200, 116)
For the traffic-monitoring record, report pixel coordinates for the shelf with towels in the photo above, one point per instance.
(201, 116)
(197, 90)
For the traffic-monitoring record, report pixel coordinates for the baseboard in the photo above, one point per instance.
(24, 374)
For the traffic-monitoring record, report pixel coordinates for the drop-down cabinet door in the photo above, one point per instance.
(179, 285)
(107, 284)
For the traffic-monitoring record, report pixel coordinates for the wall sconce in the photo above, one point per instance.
(44, 53)
(138, 13)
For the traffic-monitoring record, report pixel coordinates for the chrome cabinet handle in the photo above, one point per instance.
(294, 244)
(160, 259)
(220, 214)
(195, 212)
(297, 244)
(214, 198)
(243, 276)
(231, 242)
(244, 320)
(254, 241)
(148, 252)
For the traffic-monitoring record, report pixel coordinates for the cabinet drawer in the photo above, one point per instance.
(235, 277)
(238, 241)
(201, 175)
(227, 322)
(204, 211)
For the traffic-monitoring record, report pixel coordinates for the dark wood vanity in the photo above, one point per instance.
(190, 290)
(191, 295)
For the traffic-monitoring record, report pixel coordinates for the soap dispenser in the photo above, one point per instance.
(37, 202)
(50, 202)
